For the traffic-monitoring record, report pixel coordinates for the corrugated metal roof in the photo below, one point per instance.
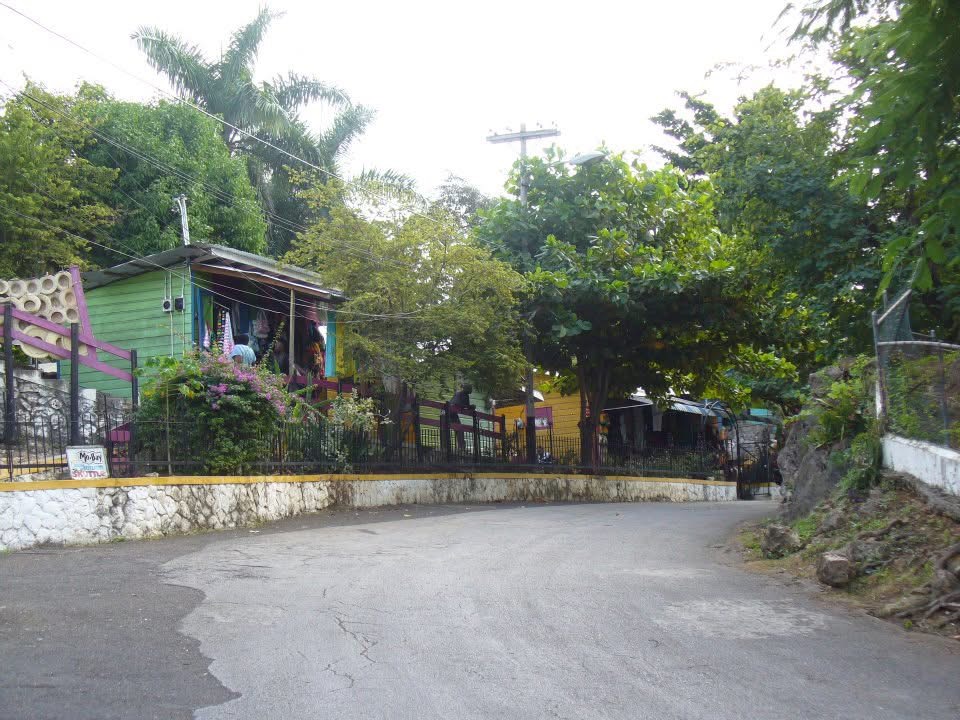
(264, 269)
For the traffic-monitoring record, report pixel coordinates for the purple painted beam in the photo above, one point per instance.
(64, 354)
(65, 331)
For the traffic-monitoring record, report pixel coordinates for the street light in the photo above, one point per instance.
(581, 159)
(587, 158)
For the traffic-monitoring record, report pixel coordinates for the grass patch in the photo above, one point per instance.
(901, 560)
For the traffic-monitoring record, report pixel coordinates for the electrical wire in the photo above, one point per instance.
(266, 290)
(182, 175)
(196, 107)
(171, 271)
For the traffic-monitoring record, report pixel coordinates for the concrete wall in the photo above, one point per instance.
(99, 511)
(934, 465)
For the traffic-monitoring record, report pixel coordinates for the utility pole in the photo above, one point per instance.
(181, 207)
(531, 413)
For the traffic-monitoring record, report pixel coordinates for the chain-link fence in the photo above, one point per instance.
(918, 376)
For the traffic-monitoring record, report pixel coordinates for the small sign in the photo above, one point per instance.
(543, 420)
(88, 462)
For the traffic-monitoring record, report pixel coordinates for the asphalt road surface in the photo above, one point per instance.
(574, 611)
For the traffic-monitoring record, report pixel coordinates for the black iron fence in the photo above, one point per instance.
(180, 449)
(36, 448)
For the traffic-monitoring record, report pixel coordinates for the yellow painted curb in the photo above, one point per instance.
(253, 479)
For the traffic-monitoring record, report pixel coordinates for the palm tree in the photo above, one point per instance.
(266, 110)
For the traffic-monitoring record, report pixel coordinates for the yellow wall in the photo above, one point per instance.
(566, 412)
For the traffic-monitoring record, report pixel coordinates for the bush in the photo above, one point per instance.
(224, 415)
(846, 417)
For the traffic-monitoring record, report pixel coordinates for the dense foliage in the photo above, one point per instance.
(52, 198)
(901, 145)
(631, 282)
(173, 150)
(426, 303)
(228, 411)
(813, 247)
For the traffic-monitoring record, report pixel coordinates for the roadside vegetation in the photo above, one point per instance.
(907, 554)
(747, 263)
(882, 541)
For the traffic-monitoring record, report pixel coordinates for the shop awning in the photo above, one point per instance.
(676, 404)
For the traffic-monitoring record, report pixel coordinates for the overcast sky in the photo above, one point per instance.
(441, 75)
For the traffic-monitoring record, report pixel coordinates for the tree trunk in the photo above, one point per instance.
(593, 396)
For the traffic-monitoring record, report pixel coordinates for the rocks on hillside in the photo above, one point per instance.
(835, 569)
(807, 470)
(779, 540)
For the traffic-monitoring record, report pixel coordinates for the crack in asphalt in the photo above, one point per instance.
(365, 643)
(346, 676)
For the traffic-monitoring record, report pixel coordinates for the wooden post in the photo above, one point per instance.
(81, 300)
(445, 430)
(503, 437)
(415, 408)
(476, 436)
(291, 353)
(75, 437)
(10, 404)
(134, 406)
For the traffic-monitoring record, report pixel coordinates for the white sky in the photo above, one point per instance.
(441, 75)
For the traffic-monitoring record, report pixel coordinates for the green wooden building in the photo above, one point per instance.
(196, 295)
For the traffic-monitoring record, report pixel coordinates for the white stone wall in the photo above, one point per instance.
(90, 515)
(934, 465)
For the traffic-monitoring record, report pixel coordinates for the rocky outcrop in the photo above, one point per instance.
(808, 474)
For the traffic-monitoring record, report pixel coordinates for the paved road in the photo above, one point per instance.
(577, 611)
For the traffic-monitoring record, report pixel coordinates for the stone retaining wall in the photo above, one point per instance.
(99, 511)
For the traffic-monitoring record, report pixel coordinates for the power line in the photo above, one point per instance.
(375, 316)
(268, 291)
(196, 107)
(182, 175)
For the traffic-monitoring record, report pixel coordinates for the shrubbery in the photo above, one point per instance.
(846, 418)
(225, 412)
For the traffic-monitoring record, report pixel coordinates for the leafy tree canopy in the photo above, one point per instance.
(815, 248)
(426, 302)
(48, 188)
(903, 137)
(632, 283)
(162, 151)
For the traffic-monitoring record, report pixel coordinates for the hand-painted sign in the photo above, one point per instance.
(88, 462)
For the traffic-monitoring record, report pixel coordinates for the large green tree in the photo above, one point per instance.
(267, 110)
(902, 141)
(162, 151)
(631, 283)
(51, 195)
(425, 301)
(815, 247)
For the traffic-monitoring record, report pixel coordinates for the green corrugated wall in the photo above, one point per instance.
(129, 313)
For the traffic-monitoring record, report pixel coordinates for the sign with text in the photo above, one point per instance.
(88, 462)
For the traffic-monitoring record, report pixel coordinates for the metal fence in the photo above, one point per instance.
(182, 449)
(36, 448)
(918, 378)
